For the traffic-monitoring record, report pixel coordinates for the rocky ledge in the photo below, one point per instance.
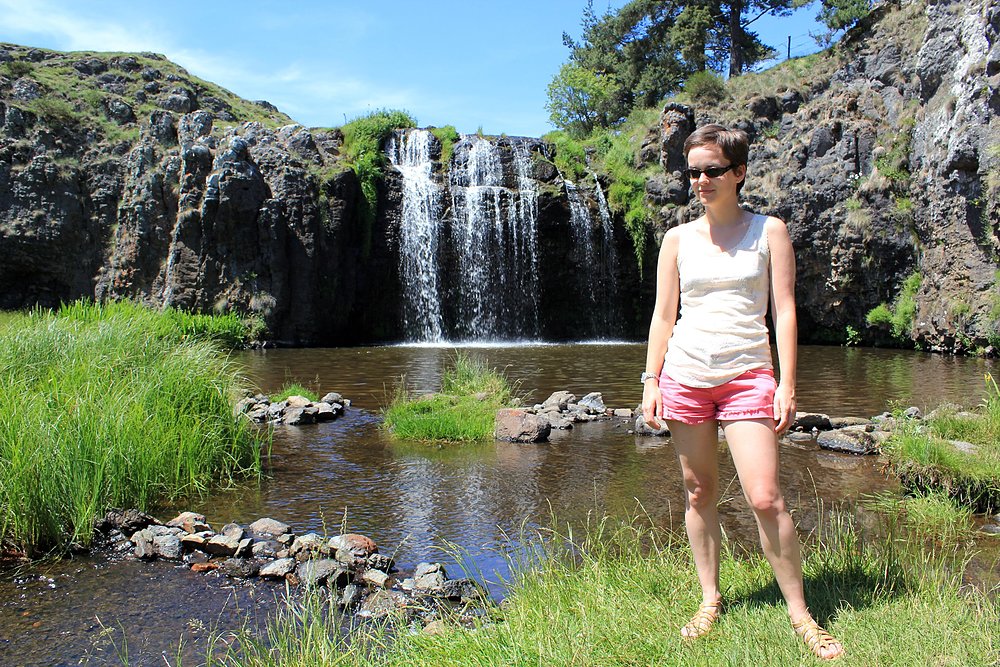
(348, 566)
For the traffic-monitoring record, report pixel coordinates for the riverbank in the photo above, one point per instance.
(113, 405)
(954, 451)
(617, 592)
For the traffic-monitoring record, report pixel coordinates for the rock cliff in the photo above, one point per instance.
(124, 176)
(883, 156)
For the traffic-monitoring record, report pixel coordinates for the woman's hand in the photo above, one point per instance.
(784, 408)
(652, 405)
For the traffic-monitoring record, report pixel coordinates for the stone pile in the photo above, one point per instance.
(561, 410)
(349, 566)
(294, 410)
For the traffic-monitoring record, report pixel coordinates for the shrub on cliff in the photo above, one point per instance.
(363, 139)
(106, 406)
(464, 410)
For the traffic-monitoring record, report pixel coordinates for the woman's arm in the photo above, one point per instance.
(662, 324)
(785, 322)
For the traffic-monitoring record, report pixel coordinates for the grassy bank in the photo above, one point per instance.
(926, 457)
(463, 410)
(618, 594)
(112, 405)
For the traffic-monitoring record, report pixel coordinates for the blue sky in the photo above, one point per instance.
(461, 62)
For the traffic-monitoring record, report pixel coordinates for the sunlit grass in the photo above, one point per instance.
(294, 389)
(931, 517)
(110, 406)
(925, 457)
(616, 593)
(464, 410)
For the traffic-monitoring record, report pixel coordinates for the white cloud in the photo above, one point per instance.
(73, 32)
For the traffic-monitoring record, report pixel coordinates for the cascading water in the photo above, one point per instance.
(469, 250)
(494, 236)
(598, 260)
(410, 152)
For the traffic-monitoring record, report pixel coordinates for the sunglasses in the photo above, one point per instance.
(712, 172)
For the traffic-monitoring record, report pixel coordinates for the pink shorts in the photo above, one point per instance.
(749, 396)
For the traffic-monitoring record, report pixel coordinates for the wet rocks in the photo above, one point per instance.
(642, 428)
(562, 409)
(850, 435)
(852, 440)
(348, 566)
(514, 425)
(293, 411)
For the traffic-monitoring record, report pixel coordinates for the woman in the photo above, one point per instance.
(712, 367)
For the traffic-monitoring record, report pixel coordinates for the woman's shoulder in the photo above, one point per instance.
(771, 223)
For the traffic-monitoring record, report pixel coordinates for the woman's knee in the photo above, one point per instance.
(701, 493)
(765, 500)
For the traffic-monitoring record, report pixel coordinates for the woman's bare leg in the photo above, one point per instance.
(754, 448)
(697, 449)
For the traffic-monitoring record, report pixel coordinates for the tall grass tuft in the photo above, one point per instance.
(106, 406)
(464, 410)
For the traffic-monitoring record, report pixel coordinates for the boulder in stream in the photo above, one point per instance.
(513, 425)
(851, 440)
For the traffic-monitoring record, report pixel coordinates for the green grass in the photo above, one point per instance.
(932, 517)
(294, 389)
(924, 458)
(228, 330)
(898, 318)
(363, 139)
(464, 410)
(448, 136)
(616, 593)
(105, 406)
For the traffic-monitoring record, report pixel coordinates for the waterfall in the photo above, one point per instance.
(469, 252)
(410, 152)
(598, 260)
(494, 236)
(609, 275)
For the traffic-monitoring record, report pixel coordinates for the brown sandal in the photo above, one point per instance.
(702, 621)
(817, 639)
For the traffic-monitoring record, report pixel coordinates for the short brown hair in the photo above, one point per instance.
(735, 144)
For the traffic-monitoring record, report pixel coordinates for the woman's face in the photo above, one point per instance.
(709, 189)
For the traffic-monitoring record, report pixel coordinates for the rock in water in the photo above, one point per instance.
(513, 425)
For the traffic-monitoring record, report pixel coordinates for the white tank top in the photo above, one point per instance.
(721, 332)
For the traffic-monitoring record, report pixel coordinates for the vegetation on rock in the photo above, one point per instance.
(112, 405)
(898, 318)
(363, 140)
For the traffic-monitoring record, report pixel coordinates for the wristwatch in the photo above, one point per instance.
(647, 375)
